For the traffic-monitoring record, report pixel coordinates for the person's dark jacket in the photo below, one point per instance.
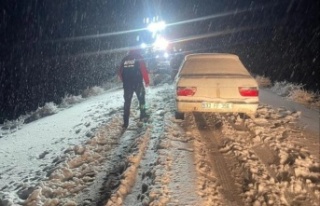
(133, 70)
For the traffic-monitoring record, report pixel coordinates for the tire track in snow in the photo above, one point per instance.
(143, 192)
(275, 157)
(127, 178)
(120, 178)
(210, 134)
(263, 151)
(138, 180)
(73, 174)
(255, 157)
(159, 180)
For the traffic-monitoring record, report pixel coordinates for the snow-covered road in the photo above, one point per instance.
(80, 156)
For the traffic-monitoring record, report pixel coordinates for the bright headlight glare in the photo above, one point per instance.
(143, 45)
(161, 43)
(157, 26)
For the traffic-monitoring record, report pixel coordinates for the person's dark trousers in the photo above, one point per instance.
(128, 93)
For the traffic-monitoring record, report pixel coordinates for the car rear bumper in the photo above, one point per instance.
(248, 108)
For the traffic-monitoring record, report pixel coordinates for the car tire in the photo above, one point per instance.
(243, 116)
(179, 115)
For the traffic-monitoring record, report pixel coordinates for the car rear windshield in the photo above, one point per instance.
(219, 66)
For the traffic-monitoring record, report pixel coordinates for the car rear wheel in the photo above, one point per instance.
(243, 116)
(179, 115)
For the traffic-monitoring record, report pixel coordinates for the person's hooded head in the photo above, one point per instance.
(134, 52)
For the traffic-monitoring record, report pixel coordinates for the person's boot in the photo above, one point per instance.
(143, 115)
(125, 123)
(124, 126)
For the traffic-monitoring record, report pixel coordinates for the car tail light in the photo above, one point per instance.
(186, 91)
(249, 91)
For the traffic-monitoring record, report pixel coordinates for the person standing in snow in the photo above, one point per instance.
(133, 72)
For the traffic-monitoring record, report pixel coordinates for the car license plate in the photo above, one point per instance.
(210, 105)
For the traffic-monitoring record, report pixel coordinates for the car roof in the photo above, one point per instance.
(213, 63)
(211, 56)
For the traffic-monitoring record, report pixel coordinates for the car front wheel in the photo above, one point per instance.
(179, 115)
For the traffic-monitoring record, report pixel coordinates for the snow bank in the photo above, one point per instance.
(51, 108)
(69, 100)
(263, 81)
(48, 109)
(297, 93)
(92, 91)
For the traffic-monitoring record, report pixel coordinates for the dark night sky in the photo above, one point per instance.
(26, 22)
(44, 23)
(50, 47)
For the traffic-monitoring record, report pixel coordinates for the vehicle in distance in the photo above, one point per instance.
(217, 83)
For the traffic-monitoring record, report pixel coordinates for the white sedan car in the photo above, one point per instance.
(214, 82)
